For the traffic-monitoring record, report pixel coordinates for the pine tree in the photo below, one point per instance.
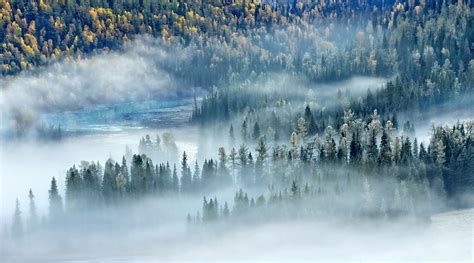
(186, 179)
(294, 139)
(261, 149)
(302, 130)
(233, 162)
(196, 178)
(371, 147)
(441, 155)
(295, 190)
(175, 185)
(329, 145)
(231, 135)
(308, 115)
(137, 175)
(120, 184)
(244, 131)
(225, 178)
(125, 173)
(108, 182)
(342, 154)
(415, 148)
(55, 202)
(385, 158)
(355, 151)
(33, 219)
(256, 131)
(17, 224)
(226, 211)
(74, 188)
(406, 152)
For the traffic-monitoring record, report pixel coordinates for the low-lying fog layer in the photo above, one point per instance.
(156, 229)
(31, 164)
(135, 75)
(300, 89)
(448, 113)
(448, 238)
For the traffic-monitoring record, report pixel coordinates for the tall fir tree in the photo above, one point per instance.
(17, 223)
(55, 202)
(33, 217)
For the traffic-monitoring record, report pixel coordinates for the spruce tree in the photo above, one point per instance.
(225, 211)
(108, 182)
(244, 131)
(33, 219)
(233, 162)
(231, 135)
(17, 224)
(385, 150)
(256, 131)
(55, 202)
(261, 149)
(175, 178)
(196, 178)
(186, 178)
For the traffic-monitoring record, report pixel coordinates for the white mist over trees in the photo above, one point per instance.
(178, 129)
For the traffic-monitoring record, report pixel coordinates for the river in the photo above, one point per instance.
(92, 134)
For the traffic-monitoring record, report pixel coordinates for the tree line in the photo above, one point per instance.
(367, 161)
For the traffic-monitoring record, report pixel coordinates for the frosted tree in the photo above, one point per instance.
(440, 153)
(302, 129)
(329, 144)
(342, 153)
(120, 184)
(233, 158)
(294, 139)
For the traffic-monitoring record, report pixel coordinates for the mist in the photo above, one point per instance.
(134, 74)
(161, 233)
(271, 132)
(54, 158)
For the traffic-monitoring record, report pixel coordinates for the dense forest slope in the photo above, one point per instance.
(40, 32)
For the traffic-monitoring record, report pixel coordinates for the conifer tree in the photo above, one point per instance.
(55, 202)
(109, 182)
(302, 129)
(17, 224)
(244, 131)
(186, 178)
(175, 186)
(33, 219)
(225, 211)
(233, 157)
(261, 149)
(256, 131)
(385, 158)
(231, 135)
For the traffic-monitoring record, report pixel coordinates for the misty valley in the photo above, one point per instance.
(236, 130)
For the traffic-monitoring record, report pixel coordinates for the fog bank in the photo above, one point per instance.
(133, 74)
(448, 238)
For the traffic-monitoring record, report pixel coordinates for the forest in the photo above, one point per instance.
(258, 117)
